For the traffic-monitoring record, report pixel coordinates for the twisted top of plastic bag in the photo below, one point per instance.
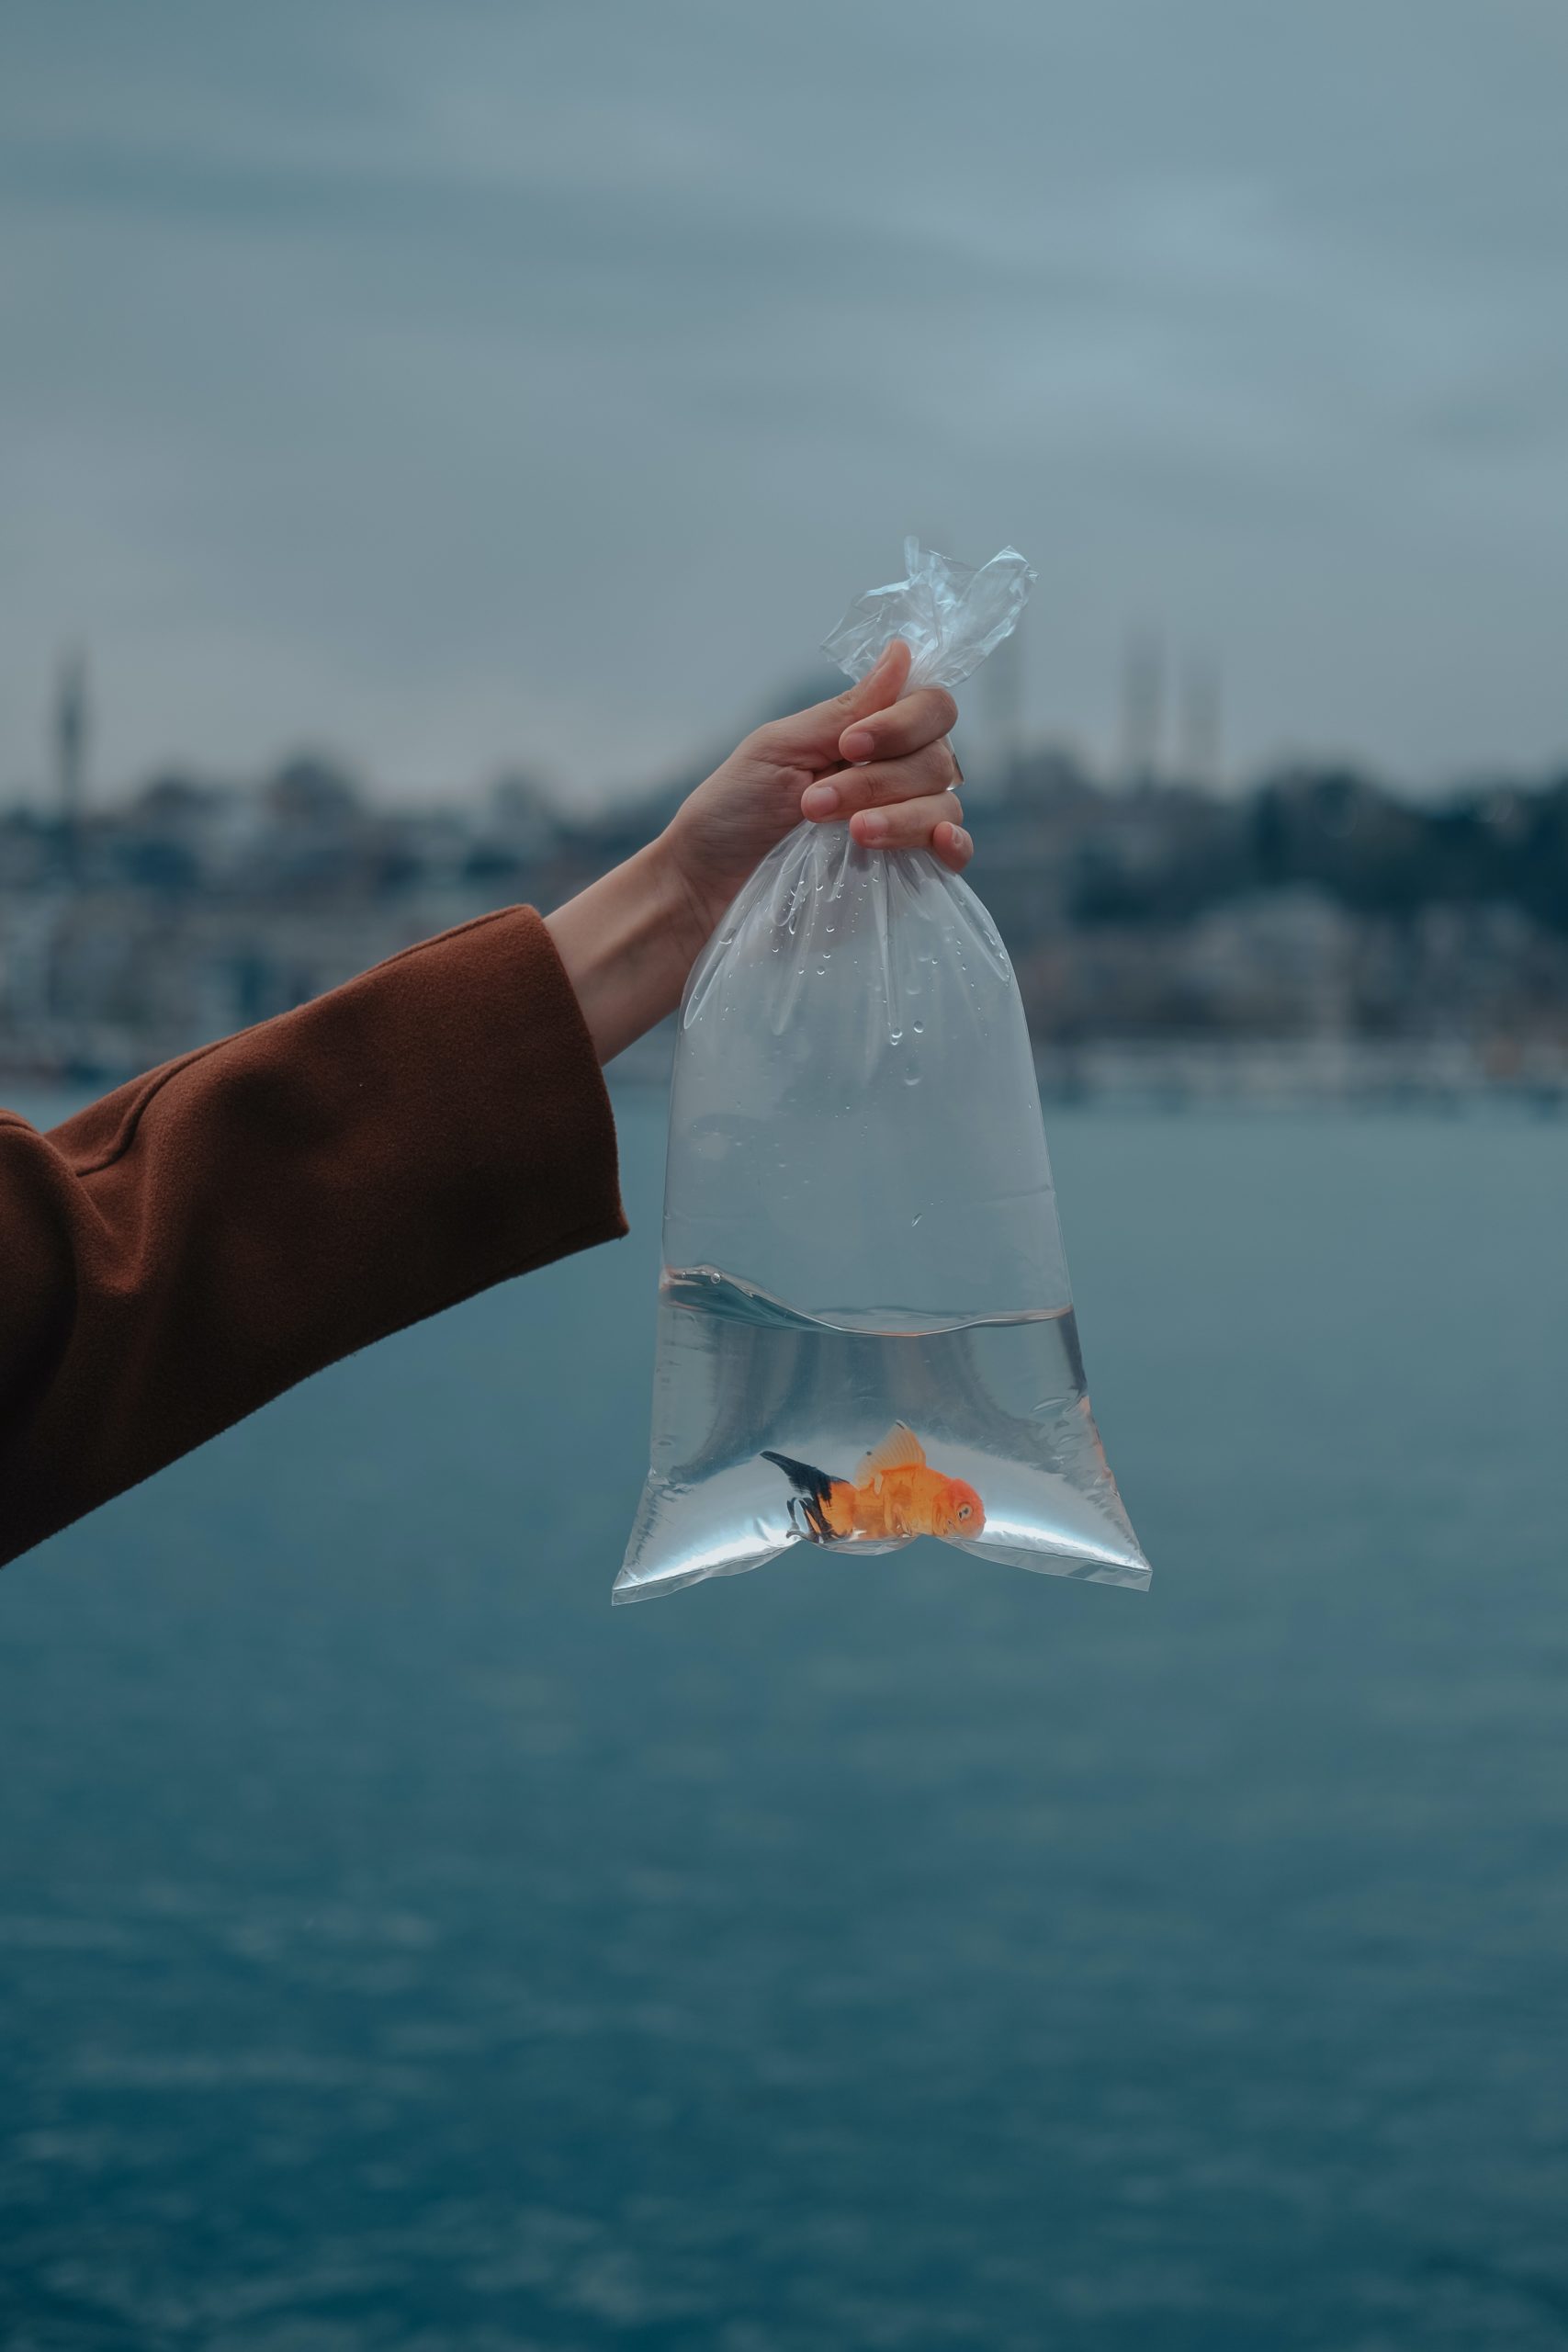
(952, 614)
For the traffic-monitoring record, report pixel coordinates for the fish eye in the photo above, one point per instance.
(962, 1510)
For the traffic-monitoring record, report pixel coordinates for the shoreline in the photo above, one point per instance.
(1175, 1073)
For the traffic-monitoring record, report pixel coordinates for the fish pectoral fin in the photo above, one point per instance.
(806, 1517)
(899, 1450)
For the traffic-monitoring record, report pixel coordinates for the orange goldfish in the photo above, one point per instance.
(893, 1493)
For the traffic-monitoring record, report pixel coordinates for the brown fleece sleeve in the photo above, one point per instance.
(184, 1250)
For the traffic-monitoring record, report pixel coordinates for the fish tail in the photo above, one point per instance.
(814, 1488)
(812, 1482)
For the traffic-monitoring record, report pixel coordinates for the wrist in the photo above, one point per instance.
(627, 943)
(693, 897)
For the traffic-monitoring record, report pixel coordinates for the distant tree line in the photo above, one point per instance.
(1172, 854)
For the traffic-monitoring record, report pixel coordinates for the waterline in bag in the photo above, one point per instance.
(996, 1402)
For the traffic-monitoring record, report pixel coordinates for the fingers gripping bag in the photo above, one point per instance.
(865, 1330)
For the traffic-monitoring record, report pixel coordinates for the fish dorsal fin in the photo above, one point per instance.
(899, 1450)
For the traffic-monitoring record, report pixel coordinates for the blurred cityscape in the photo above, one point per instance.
(1313, 934)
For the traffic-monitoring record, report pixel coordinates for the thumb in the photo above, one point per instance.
(813, 735)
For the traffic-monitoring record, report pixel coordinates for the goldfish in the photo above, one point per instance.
(895, 1492)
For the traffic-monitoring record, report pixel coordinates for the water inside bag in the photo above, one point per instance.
(998, 1401)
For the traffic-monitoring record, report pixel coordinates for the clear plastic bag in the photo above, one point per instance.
(866, 1328)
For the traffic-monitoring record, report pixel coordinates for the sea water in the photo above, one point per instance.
(998, 1400)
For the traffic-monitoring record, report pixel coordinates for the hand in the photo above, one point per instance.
(874, 755)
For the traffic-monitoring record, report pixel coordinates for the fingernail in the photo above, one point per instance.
(873, 826)
(820, 800)
(858, 744)
(961, 841)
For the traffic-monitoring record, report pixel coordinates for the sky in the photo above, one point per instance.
(478, 387)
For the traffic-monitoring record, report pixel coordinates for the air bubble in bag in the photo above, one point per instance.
(865, 1330)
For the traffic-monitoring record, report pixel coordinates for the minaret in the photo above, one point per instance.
(1202, 706)
(1142, 709)
(71, 729)
(1001, 682)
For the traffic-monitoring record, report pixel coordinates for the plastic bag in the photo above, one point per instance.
(865, 1330)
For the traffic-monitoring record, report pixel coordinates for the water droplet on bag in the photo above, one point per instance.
(911, 1072)
(919, 1027)
(895, 1036)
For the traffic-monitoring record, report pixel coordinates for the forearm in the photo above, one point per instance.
(629, 943)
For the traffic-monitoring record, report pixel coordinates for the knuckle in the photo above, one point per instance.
(893, 781)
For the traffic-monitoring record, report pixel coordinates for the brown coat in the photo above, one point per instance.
(184, 1250)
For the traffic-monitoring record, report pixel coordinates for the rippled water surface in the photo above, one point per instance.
(398, 1948)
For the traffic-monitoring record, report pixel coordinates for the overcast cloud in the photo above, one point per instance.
(479, 385)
